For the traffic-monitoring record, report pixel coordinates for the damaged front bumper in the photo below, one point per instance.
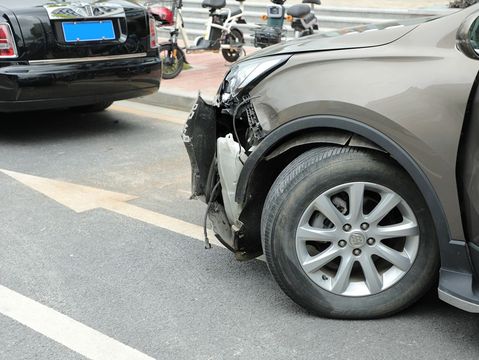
(216, 163)
(199, 137)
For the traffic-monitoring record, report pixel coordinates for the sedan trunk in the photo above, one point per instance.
(68, 30)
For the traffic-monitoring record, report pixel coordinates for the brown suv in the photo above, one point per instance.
(351, 161)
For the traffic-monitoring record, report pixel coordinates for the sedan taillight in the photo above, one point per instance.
(153, 33)
(8, 48)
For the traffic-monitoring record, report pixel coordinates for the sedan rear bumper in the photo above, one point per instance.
(48, 86)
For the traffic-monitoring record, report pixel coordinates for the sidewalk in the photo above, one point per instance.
(206, 73)
(205, 76)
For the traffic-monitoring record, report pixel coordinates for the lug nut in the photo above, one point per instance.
(342, 243)
(357, 252)
(347, 227)
(364, 226)
(371, 241)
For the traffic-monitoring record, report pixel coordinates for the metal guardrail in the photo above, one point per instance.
(329, 18)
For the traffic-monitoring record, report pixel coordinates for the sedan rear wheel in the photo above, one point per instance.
(347, 234)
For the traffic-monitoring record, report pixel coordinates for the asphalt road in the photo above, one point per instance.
(159, 291)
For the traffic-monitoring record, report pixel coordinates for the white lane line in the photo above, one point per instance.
(155, 109)
(152, 112)
(60, 328)
(64, 330)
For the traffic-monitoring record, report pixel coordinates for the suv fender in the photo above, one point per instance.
(280, 139)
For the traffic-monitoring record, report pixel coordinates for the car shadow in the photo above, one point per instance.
(457, 328)
(47, 126)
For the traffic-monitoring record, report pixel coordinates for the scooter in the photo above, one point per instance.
(302, 17)
(221, 34)
(303, 20)
(273, 31)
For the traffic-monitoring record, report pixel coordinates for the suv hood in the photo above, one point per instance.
(349, 38)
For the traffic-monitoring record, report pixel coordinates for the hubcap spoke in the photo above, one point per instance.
(342, 278)
(327, 208)
(309, 233)
(374, 280)
(406, 228)
(395, 257)
(387, 203)
(356, 197)
(353, 255)
(315, 263)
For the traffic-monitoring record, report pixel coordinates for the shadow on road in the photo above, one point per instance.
(428, 322)
(46, 126)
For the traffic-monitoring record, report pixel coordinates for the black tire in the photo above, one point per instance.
(234, 37)
(302, 181)
(173, 59)
(101, 106)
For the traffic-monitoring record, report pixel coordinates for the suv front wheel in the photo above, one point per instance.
(347, 234)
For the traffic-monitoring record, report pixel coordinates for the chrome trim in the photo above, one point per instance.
(87, 59)
(458, 302)
(83, 10)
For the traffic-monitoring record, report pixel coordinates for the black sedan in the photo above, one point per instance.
(60, 54)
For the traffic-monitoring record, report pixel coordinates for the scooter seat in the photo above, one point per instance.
(214, 4)
(299, 10)
(315, 2)
(234, 11)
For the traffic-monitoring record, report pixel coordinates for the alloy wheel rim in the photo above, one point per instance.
(357, 239)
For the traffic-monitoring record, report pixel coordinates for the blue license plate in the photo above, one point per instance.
(88, 31)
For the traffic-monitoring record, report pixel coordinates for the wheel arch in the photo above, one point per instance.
(312, 131)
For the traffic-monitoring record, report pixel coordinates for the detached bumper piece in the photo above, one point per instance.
(199, 137)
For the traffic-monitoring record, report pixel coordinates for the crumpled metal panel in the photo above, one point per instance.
(199, 137)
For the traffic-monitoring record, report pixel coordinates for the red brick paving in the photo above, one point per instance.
(205, 75)
(206, 72)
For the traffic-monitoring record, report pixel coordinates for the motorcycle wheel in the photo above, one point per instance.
(234, 37)
(173, 59)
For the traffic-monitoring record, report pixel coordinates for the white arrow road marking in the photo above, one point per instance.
(64, 330)
(81, 198)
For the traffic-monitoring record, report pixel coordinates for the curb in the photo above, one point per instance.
(178, 100)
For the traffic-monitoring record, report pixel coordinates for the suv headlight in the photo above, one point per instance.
(247, 74)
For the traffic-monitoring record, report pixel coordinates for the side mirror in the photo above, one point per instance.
(468, 37)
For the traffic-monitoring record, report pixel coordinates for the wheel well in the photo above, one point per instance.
(379, 141)
(269, 168)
